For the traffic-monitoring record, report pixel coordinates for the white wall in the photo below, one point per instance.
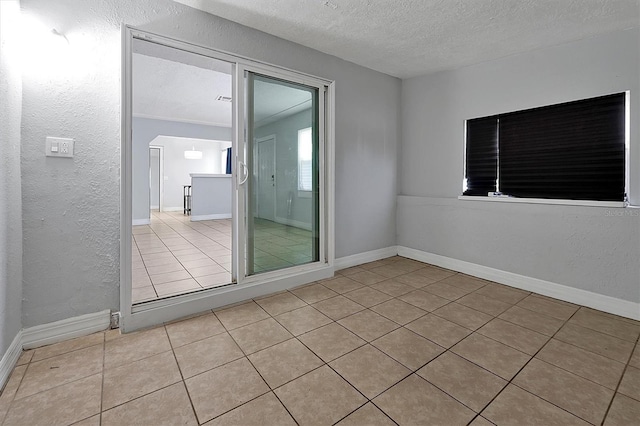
(589, 248)
(10, 182)
(71, 209)
(177, 169)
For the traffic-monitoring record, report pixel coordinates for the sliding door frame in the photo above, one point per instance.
(167, 309)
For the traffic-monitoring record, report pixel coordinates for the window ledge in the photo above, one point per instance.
(587, 203)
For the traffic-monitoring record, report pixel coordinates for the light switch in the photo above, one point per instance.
(59, 147)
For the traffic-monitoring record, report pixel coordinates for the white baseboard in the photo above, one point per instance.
(578, 296)
(10, 359)
(138, 222)
(196, 218)
(294, 223)
(366, 257)
(66, 329)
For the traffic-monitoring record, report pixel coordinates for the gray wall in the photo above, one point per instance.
(146, 130)
(71, 208)
(286, 132)
(10, 200)
(591, 248)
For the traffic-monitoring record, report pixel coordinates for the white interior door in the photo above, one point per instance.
(265, 169)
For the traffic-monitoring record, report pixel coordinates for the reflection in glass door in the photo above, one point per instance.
(283, 188)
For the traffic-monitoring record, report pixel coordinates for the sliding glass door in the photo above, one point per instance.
(282, 189)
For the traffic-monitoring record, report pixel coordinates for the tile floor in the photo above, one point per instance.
(390, 342)
(173, 255)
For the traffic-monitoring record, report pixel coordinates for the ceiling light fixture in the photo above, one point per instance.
(193, 154)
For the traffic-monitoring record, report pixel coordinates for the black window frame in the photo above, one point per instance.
(568, 151)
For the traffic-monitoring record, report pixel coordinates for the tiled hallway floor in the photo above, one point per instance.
(393, 341)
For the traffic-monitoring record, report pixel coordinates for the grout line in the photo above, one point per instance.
(624, 371)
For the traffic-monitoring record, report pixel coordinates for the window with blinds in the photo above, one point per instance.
(572, 151)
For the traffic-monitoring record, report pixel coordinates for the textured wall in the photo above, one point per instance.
(590, 248)
(10, 201)
(71, 207)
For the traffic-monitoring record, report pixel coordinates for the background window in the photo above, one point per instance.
(573, 151)
(305, 150)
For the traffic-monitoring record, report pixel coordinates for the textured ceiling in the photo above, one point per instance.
(405, 38)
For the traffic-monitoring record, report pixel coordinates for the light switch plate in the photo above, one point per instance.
(64, 147)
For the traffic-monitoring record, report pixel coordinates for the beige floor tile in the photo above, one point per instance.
(265, 409)
(398, 311)
(624, 411)
(532, 320)
(414, 401)
(390, 271)
(193, 329)
(473, 386)
(447, 291)
(548, 307)
(367, 277)
(607, 324)
(125, 348)
(319, 397)
(594, 341)
(438, 330)
(423, 300)
(630, 385)
(341, 284)
(515, 406)
(484, 304)
(224, 388)
(168, 406)
(369, 415)
(589, 365)
(67, 346)
(517, 337)
(503, 293)
(338, 307)
(140, 294)
(10, 389)
(480, 421)
(284, 362)
(313, 293)
(206, 270)
(393, 288)
(367, 296)
(240, 315)
(91, 421)
(408, 348)
(331, 341)
(415, 280)
(368, 325)
(139, 378)
(350, 271)
(259, 335)
(496, 357)
(465, 282)
(434, 273)
(198, 263)
(206, 354)
(215, 280)
(165, 268)
(25, 357)
(280, 303)
(635, 357)
(61, 369)
(64, 404)
(369, 370)
(461, 315)
(579, 396)
(302, 320)
(169, 277)
(177, 287)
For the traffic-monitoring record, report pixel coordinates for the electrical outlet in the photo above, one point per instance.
(59, 147)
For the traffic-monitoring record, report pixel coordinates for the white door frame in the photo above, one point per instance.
(160, 148)
(273, 191)
(158, 311)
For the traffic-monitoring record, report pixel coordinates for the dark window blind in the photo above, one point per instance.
(482, 155)
(573, 150)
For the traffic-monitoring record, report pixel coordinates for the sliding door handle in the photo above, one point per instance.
(246, 173)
